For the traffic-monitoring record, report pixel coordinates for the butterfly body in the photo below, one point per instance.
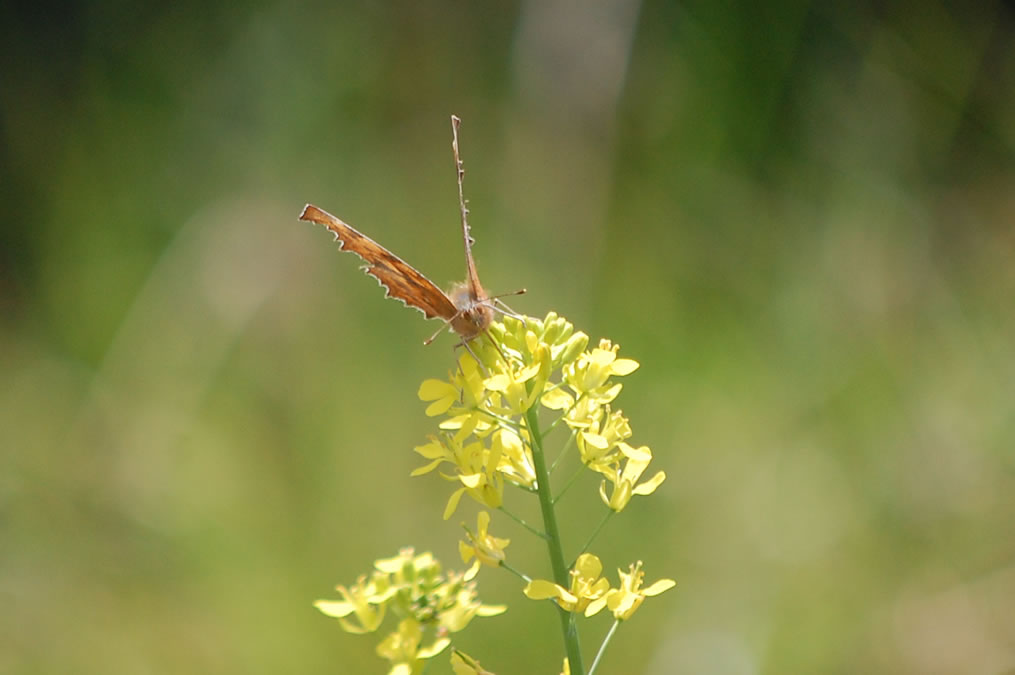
(474, 309)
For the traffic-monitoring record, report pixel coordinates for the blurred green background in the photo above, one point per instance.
(800, 219)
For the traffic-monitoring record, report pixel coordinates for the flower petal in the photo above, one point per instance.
(658, 587)
(431, 390)
(595, 606)
(624, 366)
(498, 383)
(540, 589)
(471, 480)
(557, 399)
(649, 486)
(432, 450)
(335, 608)
(427, 468)
(440, 406)
(434, 649)
(491, 610)
(456, 497)
(588, 565)
(642, 454)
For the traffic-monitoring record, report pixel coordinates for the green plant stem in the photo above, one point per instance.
(521, 575)
(595, 532)
(563, 452)
(569, 483)
(602, 647)
(563, 416)
(522, 522)
(553, 543)
(507, 422)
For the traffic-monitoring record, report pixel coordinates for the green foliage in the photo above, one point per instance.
(797, 215)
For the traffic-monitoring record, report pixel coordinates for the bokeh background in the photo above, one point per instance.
(799, 218)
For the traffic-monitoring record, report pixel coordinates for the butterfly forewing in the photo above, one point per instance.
(401, 280)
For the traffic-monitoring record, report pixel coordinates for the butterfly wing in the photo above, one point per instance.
(400, 279)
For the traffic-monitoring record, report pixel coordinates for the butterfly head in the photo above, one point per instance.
(475, 312)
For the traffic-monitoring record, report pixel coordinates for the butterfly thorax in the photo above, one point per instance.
(474, 310)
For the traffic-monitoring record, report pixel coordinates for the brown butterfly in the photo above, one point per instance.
(467, 308)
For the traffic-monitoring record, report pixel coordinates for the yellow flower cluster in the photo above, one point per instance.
(485, 438)
(429, 603)
(589, 592)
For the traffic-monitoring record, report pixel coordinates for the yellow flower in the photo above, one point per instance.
(402, 648)
(584, 413)
(459, 604)
(364, 599)
(407, 567)
(556, 398)
(567, 352)
(515, 458)
(624, 601)
(483, 546)
(423, 592)
(521, 388)
(591, 372)
(625, 482)
(475, 468)
(598, 445)
(463, 391)
(479, 479)
(586, 585)
(616, 428)
(442, 394)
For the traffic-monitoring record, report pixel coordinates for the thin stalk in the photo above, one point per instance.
(595, 532)
(520, 486)
(521, 521)
(568, 484)
(507, 422)
(602, 647)
(521, 575)
(553, 542)
(564, 415)
(563, 451)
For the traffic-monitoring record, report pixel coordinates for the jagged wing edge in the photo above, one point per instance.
(397, 277)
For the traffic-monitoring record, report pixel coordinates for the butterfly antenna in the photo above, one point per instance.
(502, 307)
(498, 305)
(462, 204)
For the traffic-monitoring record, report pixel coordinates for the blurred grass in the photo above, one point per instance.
(798, 218)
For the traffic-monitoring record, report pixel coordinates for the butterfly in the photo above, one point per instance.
(466, 308)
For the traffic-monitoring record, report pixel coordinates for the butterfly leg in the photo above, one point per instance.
(465, 343)
(434, 336)
(501, 306)
(496, 346)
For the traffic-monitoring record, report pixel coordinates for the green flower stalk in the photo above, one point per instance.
(526, 378)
